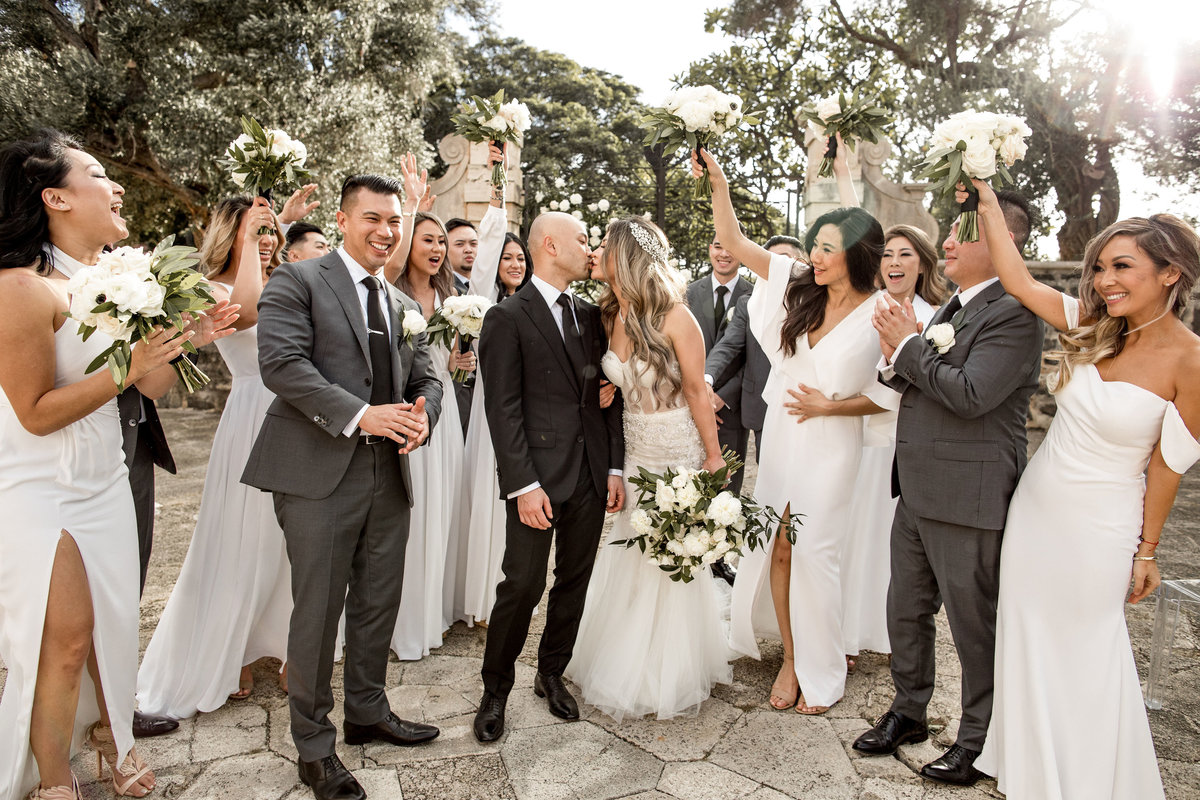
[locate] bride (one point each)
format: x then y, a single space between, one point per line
647 644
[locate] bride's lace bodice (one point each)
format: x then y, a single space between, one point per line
658 433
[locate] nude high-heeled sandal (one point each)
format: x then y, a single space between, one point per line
124 777
57 792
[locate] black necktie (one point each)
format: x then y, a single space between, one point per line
952 308
719 310
571 335
377 344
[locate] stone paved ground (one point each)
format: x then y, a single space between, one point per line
738 747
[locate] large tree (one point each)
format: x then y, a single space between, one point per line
931 58
155 89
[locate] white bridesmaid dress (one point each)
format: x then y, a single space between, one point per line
866 562
483 545
813 467
1068 720
232 602
437 515
72 480
648 645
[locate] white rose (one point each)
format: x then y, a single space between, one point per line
594 231
979 159
709 557
539 197
577 214
564 204
828 107
688 496
543 210
497 123
666 561
281 144
681 478
941 336
591 207
664 497
241 142
414 322
125 260
641 523
725 509
1012 149
694 545
576 199
554 205
675 547
603 205
594 242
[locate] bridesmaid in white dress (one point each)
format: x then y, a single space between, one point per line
232 601
648 644
908 271
437 466
815 326
501 268
68 543
1068 720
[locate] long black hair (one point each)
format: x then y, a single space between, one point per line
804 300
501 289
27 167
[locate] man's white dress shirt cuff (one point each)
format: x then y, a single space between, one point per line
886 370
353 426
526 490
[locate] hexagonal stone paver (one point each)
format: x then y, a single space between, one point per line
565 762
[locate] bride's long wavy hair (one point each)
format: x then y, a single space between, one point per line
1167 241
651 288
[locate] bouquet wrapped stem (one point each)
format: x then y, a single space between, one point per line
855 118
490 119
263 158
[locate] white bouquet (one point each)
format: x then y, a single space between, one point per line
461 316
853 117
128 292
685 520
696 116
490 119
262 159
974 144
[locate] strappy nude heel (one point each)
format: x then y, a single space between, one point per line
124 777
57 792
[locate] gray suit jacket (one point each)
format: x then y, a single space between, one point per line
313 354
960 435
738 347
700 301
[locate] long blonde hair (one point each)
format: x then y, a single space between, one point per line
220 239
651 289
1167 241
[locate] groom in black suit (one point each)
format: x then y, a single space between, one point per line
559 455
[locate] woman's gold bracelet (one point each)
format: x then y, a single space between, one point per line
1145 558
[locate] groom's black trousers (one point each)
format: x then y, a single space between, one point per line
576 535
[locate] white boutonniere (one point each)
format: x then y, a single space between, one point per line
729 315
941 336
414 324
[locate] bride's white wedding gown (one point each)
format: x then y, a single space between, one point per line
1068 721
648 644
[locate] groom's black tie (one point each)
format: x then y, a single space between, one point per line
377 344
952 308
571 335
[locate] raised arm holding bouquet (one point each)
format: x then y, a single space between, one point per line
492 120
974 144
845 120
264 159
695 116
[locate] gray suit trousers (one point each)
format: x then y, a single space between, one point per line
355 539
935 562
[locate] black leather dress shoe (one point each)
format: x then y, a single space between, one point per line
723 571
489 719
562 705
891 731
956 766
330 780
390 729
145 725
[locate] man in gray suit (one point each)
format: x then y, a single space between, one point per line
354 395
739 350
712 300
960 447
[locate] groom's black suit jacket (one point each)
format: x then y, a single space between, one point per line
544 414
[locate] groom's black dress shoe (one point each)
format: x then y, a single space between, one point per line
562 705
723 571
956 766
891 731
330 780
145 725
489 719
390 729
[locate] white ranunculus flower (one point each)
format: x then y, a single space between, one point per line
688 496
603 204
414 322
941 336
576 199
828 107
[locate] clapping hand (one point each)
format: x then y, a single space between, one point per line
416 185
894 323
407 424
213 324
297 206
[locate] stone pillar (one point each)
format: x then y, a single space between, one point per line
888 202
465 190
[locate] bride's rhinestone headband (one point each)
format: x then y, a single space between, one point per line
648 241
